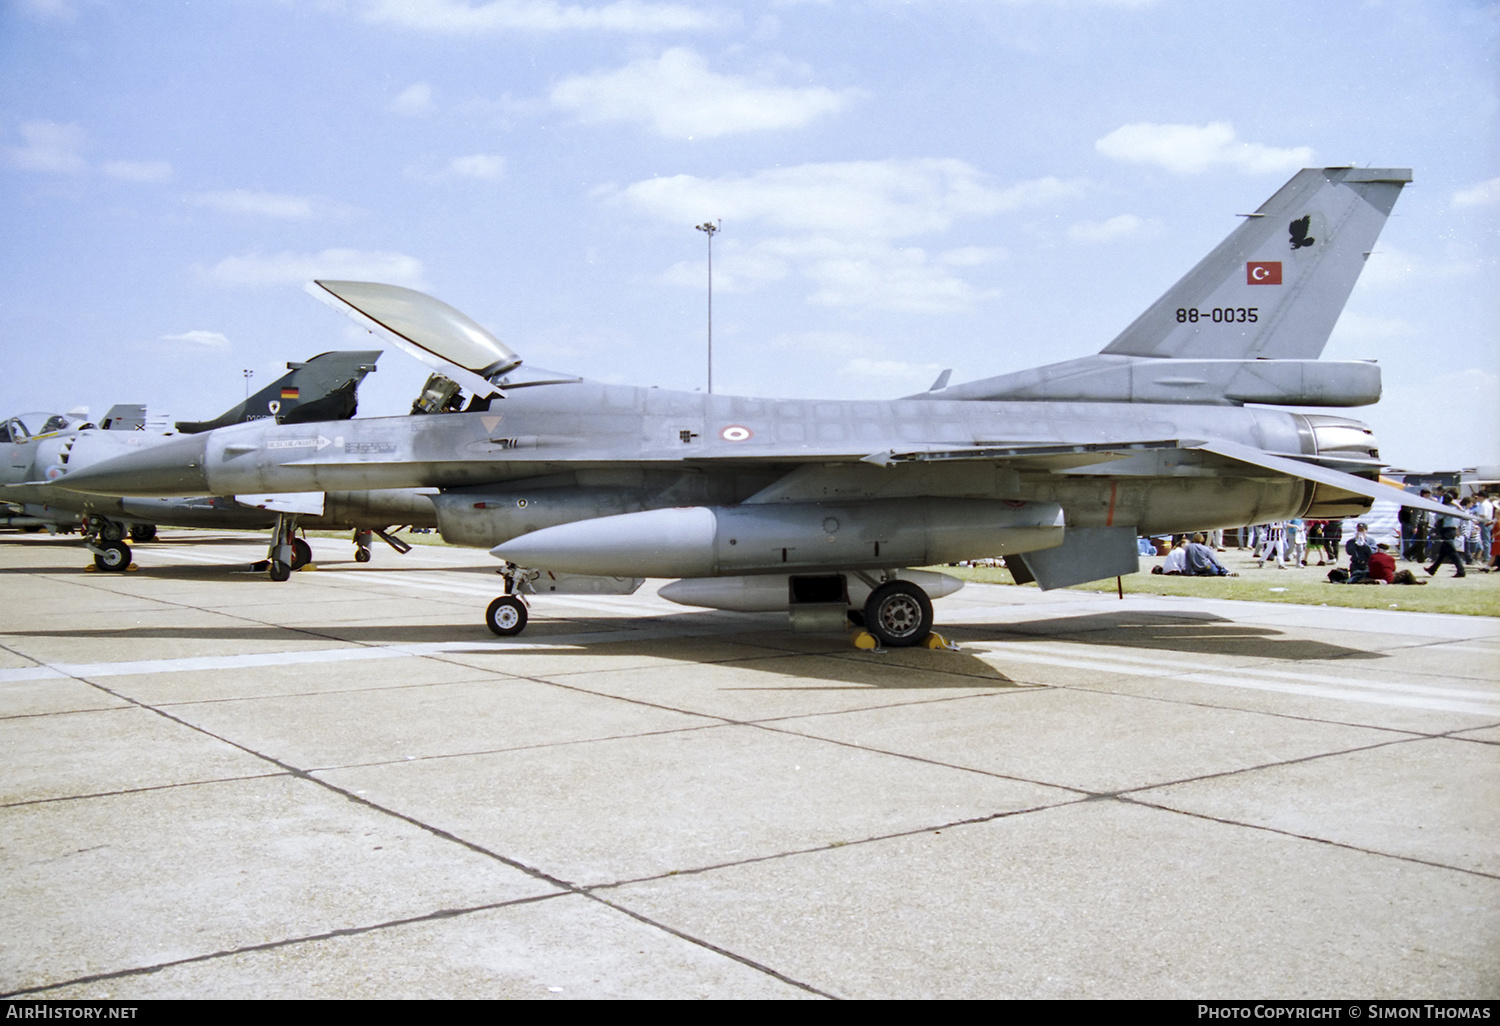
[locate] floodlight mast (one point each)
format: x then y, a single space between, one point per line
708 228
248 375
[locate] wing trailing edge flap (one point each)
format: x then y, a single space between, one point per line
1047 456
1325 475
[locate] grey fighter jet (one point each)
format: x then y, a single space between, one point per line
819 507
39 449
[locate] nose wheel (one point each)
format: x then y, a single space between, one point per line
506 616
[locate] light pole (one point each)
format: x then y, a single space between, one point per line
248 375
708 228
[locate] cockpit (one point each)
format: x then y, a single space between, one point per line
26 426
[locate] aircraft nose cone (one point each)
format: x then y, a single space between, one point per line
174 468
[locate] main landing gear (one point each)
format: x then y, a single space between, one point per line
898 614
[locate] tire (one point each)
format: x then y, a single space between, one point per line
142 532
899 614
113 556
361 555
112 532
279 571
506 616
301 553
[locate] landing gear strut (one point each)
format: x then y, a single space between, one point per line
506 616
287 552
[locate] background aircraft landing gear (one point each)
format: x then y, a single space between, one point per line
506 616
362 546
142 532
899 614
112 555
103 538
287 552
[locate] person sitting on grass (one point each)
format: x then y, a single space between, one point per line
1382 566
1199 560
1176 561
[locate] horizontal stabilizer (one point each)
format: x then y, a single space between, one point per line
1328 476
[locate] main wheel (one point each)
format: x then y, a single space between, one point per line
506 616
361 555
279 570
112 532
142 532
899 614
301 553
113 556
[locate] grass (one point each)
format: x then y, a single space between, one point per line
1477 594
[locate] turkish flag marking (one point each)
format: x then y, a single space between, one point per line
1263 272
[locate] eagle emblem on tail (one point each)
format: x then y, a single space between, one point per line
1298 229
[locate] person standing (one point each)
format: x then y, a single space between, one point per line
1446 530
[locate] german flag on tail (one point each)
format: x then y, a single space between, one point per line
288 392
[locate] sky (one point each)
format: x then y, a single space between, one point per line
901 187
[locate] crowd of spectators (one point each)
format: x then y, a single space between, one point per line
1422 536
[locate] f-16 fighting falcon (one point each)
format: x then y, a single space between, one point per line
41 448
819 507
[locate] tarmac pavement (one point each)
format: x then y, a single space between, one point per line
344 786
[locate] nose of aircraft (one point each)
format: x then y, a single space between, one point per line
174 468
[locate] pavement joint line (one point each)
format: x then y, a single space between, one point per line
1315 840
347 931
142 790
835 845
535 873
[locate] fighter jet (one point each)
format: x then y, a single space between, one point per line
820 507
42 448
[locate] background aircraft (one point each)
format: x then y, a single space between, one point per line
39 448
817 507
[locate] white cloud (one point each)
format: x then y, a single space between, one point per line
194 341
60 9
1485 194
50 147
459 16
915 375
484 166
413 100
1191 149
1389 265
279 205
679 97
1117 227
881 199
287 268
837 225
138 170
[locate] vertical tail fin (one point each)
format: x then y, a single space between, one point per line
323 388
1275 287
